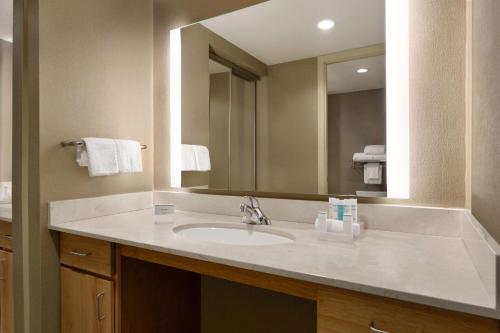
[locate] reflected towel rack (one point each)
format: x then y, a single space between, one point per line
361 164
80 142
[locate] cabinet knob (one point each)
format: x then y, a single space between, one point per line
375 330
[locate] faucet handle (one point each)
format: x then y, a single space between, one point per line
251 201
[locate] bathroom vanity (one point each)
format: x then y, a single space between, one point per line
6 276
127 270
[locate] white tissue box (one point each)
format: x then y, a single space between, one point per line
164 213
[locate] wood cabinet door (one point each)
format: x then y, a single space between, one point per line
86 303
6 293
342 311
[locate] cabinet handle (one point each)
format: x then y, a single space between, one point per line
79 253
7 237
98 306
374 330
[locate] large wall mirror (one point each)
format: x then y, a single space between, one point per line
292 96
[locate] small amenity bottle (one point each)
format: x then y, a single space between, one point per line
348 224
321 221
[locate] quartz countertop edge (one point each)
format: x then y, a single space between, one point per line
87 228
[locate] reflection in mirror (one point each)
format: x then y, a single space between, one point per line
356 127
6 56
287 96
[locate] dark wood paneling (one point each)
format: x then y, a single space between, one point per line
158 299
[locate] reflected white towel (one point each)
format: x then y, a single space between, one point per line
362 157
375 150
101 157
195 158
202 158
373 173
188 158
129 155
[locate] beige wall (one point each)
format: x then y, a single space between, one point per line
95 67
287 130
486 114
355 120
246 309
5 110
437 102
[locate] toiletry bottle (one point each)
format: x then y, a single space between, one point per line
332 210
339 204
354 210
321 221
348 224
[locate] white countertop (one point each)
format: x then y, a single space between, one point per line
5 212
432 270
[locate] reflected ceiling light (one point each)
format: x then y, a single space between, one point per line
362 70
326 24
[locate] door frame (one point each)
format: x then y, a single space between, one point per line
323 62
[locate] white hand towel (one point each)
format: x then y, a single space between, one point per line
129 155
375 150
202 158
102 158
373 173
362 157
82 158
188 158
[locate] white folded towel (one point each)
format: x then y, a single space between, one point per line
202 158
362 157
99 155
195 158
373 173
375 150
188 162
129 155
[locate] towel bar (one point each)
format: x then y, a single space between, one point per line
80 142
358 164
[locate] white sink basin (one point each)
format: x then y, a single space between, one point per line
232 234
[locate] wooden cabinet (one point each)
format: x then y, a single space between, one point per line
6 293
91 255
6 235
89 281
86 303
342 311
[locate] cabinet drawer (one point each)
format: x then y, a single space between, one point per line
342 311
6 235
88 254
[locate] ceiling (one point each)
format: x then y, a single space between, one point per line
343 78
6 18
280 31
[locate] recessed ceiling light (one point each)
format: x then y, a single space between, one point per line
326 24
362 70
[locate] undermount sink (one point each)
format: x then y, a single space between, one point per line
232 234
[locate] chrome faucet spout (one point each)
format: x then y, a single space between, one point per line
252 212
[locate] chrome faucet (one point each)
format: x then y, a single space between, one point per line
253 214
